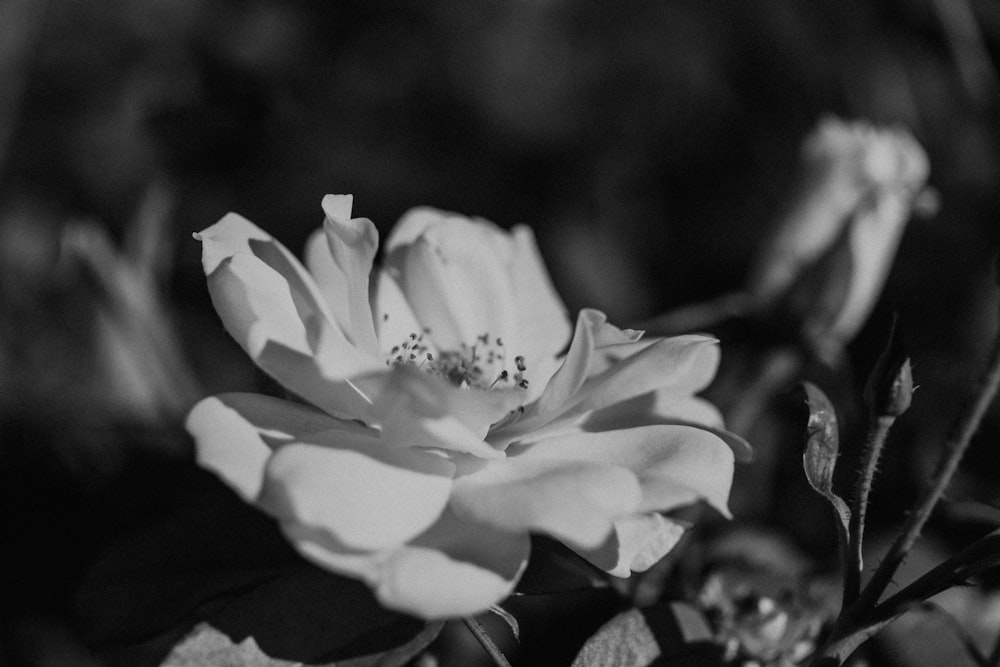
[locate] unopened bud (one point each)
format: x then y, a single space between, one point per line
828 259
889 390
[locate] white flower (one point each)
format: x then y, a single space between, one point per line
445 422
830 256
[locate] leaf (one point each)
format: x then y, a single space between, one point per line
509 619
206 645
822 449
208 557
670 634
555 568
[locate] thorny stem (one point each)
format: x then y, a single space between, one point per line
877 432
480 634
858 621
965 427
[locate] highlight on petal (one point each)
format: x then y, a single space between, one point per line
542 325
456 284
574 501
606 366
394 319
412 400
637 543
413 223
676 465
235 434
235 235
455 568
664 406
272 308
363 494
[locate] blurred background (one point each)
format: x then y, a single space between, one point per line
652 146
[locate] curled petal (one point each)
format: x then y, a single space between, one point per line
666 407
364 494
574 501
454 569
606 366
637 543
352 243
235 434
660 406
234 235
676 465
271 307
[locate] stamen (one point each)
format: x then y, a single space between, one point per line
519 362
499 378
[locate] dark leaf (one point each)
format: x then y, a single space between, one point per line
554 568
211 558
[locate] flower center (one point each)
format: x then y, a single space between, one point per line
471 366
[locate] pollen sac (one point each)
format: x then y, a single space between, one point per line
479 365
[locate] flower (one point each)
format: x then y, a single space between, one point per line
443 423
829 257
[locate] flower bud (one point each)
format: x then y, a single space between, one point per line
829 257
890 386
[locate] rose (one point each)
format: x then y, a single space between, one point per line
828 259
443 423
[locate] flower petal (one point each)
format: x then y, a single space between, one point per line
574 501
394 319
637 543
666 407
269 304
676 465
352 243
542 328
235 434
454 569
421 409
413 223
364 494
235 235
456 284
605 366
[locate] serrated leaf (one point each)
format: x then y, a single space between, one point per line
672 634
206 645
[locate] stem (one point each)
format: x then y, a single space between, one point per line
877 432
982 554
954 448
480 634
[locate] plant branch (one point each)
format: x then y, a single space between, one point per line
877 432
954 448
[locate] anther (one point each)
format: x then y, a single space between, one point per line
519 362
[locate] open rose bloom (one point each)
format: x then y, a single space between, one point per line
449 409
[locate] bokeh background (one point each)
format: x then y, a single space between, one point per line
651 145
